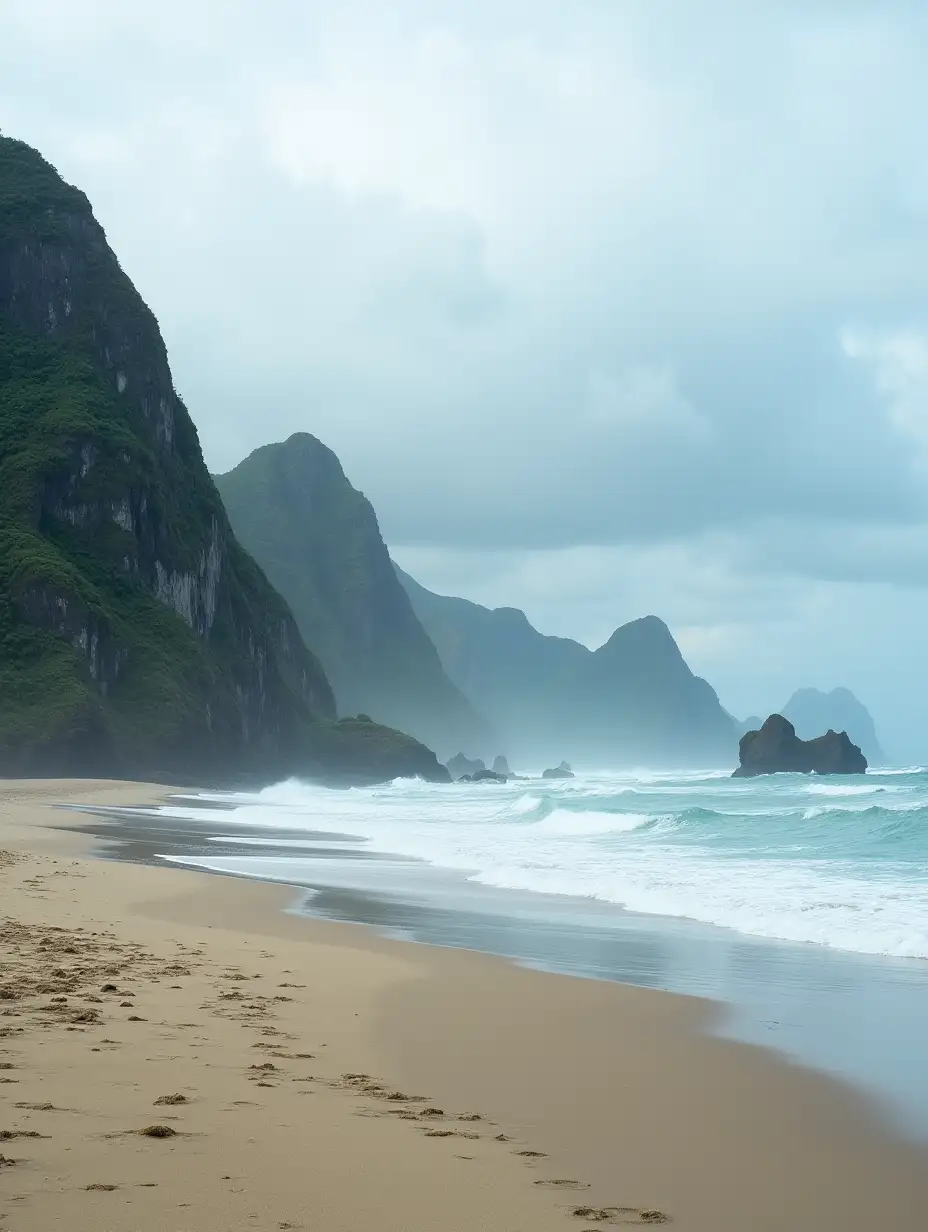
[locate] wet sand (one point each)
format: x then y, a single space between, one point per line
332 1079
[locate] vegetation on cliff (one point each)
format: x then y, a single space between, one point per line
136 635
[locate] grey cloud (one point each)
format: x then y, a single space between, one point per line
608 308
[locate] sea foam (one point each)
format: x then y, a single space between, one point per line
849 872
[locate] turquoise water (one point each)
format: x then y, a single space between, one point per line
801 904
841 863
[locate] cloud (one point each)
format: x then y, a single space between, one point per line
899 361
619 306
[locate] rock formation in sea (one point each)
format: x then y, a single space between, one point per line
776 749
488 776
459 766
811 711
137 637
317 539
563 771
501 766
634 701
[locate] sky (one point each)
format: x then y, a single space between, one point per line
610 306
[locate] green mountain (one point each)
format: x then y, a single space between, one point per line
634 701
317 539
136 634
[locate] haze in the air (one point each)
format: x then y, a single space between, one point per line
610 309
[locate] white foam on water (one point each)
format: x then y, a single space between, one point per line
568 823
705 848
846 789
526 804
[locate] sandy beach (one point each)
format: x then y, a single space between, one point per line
178 1053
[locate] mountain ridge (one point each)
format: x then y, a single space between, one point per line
318 539
552 697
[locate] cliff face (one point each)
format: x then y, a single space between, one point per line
136 635
318 541
634 701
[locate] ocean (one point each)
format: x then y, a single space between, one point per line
799 903
840 863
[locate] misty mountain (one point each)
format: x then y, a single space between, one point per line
634 701
136 634
813 712
317 539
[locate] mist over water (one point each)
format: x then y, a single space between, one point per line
839 863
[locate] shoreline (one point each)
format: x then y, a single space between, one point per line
860 1019
619 1088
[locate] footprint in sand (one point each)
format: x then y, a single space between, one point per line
633 1215
449 1133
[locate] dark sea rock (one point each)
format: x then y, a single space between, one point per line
459 765
501 766
489 776
776 749
563 771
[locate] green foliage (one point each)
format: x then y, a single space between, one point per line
33 196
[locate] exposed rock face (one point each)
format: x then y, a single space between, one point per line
459 766
776 749
136 635
501 766
488 776
634 701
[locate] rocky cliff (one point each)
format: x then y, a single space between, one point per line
634 701
317 539
136 635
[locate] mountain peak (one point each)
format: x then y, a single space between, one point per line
648 631
634 701
318 540
813 711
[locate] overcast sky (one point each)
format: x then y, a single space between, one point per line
610 306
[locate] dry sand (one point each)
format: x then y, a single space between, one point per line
313 1076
